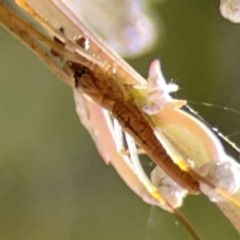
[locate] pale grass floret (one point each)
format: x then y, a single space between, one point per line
230 9
187 138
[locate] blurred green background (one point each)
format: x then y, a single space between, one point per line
54 185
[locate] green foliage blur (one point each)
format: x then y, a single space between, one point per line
54 185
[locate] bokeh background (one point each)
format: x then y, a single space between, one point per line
54 185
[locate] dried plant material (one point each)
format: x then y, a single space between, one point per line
188 152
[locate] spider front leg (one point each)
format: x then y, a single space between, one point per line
164 188
168 195
99 124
